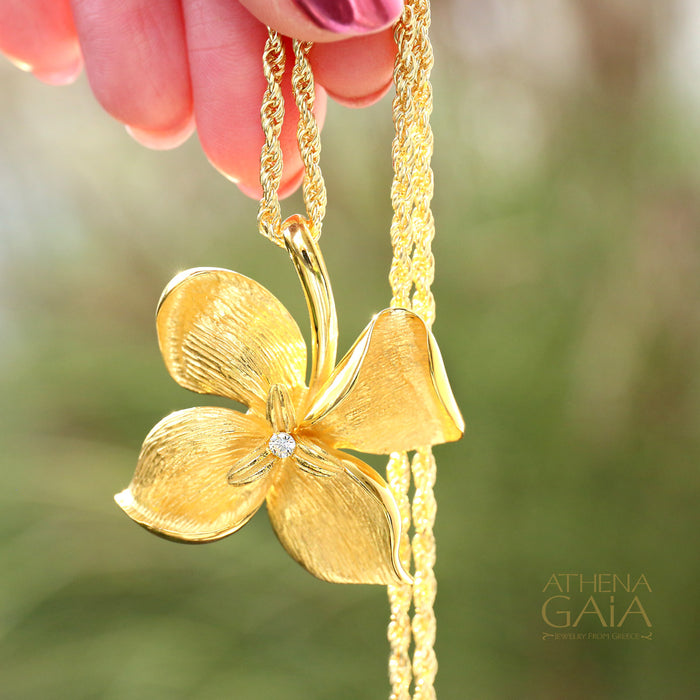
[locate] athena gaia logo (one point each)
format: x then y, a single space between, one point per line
584 605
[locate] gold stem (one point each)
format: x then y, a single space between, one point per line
313 275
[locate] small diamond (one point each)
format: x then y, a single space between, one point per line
282 445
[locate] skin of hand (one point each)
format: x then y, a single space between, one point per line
164 67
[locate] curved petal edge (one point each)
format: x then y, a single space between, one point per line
390 393
222 333
344 527
180 488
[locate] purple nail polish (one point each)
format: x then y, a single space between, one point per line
352 16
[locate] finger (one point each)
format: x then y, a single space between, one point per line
325 20
163 139
39 35
358 71
225 45
136 62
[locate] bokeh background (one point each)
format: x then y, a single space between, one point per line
567 137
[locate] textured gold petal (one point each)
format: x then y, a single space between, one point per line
222 333
343 527
180 488
390 393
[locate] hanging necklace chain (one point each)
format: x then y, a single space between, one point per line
411 276
271 116
308 138
413 268
412 228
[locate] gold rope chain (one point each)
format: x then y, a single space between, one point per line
308 138
411 276
413 266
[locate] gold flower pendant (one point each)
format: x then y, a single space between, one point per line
203 472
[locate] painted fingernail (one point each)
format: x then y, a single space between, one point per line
63 76
352 16
162 140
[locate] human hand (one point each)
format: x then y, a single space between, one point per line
162 66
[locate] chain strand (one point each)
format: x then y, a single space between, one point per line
423 303
400 279
423 263
314 188
399 632
271 117
424 585
412 232
308 138
402 157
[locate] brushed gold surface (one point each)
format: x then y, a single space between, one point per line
223 333
180 489
203 472
390 393
340 527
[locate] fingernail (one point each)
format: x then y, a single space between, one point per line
64 76
162 140
352 16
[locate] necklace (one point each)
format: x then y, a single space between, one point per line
204 472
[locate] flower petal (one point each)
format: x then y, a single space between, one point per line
342 527
390 393
222 333
180 488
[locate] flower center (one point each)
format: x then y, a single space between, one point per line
282 445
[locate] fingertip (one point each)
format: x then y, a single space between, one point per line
19 63
254 190
363 100
60 76
39 36
136 63
164 139
356 72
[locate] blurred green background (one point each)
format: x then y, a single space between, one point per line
567 140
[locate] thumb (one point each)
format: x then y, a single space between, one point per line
325 20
